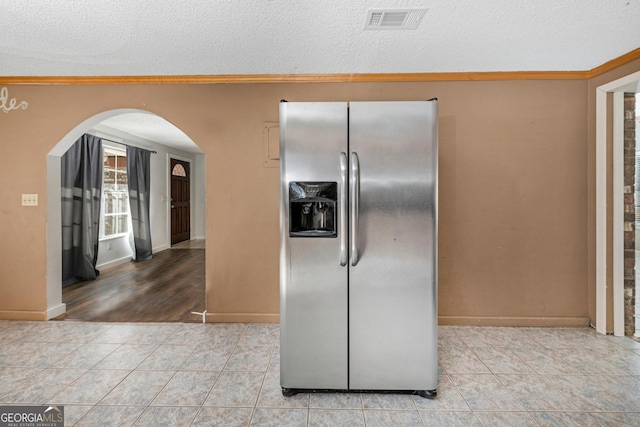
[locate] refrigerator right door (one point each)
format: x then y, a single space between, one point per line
393 332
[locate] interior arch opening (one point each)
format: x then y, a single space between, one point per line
171 285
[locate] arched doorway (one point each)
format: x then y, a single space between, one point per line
119 128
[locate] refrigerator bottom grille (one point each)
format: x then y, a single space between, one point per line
427 394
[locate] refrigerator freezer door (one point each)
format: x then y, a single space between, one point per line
393 286
313 283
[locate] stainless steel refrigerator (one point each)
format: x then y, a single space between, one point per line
358 258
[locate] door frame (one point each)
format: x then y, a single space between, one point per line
168 196
630 83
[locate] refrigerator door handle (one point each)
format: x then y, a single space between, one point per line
343 209
355 205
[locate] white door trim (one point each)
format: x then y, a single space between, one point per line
617 87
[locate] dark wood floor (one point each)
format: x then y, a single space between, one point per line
166 288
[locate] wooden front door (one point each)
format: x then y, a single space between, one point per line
180 201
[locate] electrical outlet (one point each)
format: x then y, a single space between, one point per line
29 200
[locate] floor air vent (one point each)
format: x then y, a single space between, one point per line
406 19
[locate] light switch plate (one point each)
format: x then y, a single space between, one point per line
29 200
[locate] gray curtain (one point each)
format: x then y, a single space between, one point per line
138 161
81 170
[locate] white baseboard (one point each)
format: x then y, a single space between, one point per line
56 311
161 248
114 263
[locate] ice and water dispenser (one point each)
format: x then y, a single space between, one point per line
312 209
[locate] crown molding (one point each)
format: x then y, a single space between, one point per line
324 78
614 63
292 78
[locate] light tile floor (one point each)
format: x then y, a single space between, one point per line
228 375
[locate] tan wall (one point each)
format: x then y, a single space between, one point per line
513 191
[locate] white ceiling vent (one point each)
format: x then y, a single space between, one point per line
395 19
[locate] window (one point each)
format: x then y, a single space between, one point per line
115 193
178 170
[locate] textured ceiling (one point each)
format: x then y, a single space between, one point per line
169 37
